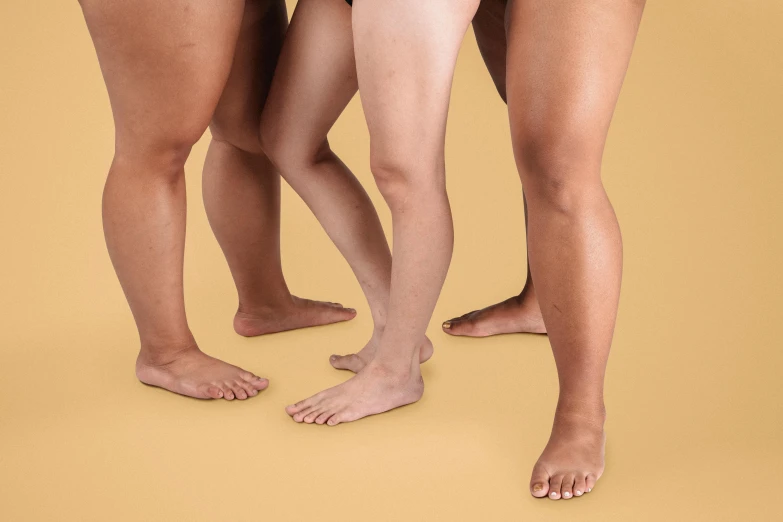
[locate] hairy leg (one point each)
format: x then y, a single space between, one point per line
164 65
314 81
405 56
567 61
242 188
520 313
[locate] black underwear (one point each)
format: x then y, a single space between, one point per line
350 2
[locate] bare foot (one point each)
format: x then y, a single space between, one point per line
373 390
354 362
302 313
518 314
573 459
193 373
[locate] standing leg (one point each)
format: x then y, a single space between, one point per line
567 61
242 188
520 313
165 65
406 51
314 81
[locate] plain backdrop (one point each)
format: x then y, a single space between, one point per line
694 167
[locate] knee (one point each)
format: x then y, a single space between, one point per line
288 152
240 133
401 176
560 169
160 155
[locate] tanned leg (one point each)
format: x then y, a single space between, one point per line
406 51
242 188
165 64
314 81
520 313
566 64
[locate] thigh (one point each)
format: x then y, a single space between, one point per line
164 63
406 51
260 40
566 64
315 78
489 26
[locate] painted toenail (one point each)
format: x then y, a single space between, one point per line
577 492
566 494
538 487
553 494
447 325
589 490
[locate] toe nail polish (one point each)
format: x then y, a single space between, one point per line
447 325
589 490
553 494
577 492
566 494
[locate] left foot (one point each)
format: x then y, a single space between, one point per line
518 314
373 390
301 313
573 459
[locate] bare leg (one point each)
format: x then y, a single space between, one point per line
314 81
520 313
406 51
242 188
165 65
567 61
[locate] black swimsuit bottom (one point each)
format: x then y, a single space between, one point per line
350 2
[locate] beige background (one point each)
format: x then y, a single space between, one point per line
694 166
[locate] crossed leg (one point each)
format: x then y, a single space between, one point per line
314 81
565 66
405 56
242 187
165 65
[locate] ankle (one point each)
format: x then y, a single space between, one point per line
581 409
269 306
163 352
528 297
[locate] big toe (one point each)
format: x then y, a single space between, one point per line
539 483
213 392
350 362
464 325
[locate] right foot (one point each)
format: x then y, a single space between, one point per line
301 313
195 374
374 390
518 314
354 362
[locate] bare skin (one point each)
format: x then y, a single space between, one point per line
560 67
520 313
166 67
314 81
242 187
405 91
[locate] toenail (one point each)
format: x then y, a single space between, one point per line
577 492
553 494
566 494
447 325
538 487
353 311
589 490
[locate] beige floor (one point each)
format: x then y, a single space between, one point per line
694 167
